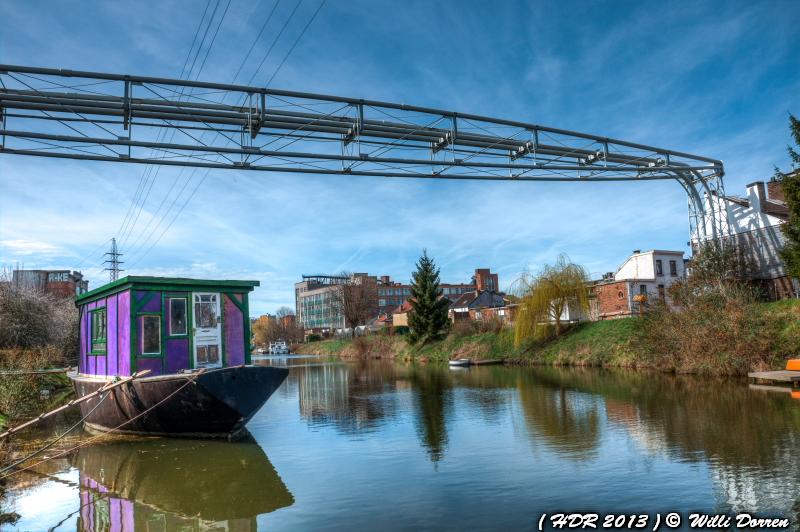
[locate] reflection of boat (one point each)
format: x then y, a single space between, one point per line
177 485
460 362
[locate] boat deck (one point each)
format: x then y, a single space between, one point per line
777 376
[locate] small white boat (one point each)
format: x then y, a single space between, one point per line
460 362
278 348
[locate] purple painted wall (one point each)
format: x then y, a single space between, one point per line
176 351
177 354
234 333
124 332
153 305
153 364
116 361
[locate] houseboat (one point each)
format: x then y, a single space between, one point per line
190 336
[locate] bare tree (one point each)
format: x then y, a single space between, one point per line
283 312
356 300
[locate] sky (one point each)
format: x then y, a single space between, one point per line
713 78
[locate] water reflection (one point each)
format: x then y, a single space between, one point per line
433 403
565 420
176 485
353 397
523 440
748 438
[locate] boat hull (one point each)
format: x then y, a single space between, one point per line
211 404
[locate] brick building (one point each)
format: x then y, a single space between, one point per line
392 294
57 283
643 278
315 303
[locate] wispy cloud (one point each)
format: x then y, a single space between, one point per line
649 72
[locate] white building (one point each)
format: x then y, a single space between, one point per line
648 274
754 222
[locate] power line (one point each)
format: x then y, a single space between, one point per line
295 42
191 176
263 60
189 73
274 41
128 215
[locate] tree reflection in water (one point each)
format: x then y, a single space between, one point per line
566 420
433 403
748 438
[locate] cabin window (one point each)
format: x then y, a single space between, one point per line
151 335
205 311
659 268
99 327
673 268
177 316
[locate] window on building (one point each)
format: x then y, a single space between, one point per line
643 289
381 302
99 325
661 292
621 294
177 316
673 268
659 268
151 335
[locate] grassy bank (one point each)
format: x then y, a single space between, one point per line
612 343
28 395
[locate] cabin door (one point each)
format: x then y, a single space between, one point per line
207 330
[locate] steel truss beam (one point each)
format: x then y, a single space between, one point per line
136 119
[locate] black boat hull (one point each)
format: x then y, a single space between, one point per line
212 404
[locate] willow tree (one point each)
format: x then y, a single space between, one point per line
547 296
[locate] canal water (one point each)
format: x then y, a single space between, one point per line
377 446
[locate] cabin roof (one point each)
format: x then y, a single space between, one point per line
164 283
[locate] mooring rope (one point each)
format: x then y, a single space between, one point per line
57 439
105 434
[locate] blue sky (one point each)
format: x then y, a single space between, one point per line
712 78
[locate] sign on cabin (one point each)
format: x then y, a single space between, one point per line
164 324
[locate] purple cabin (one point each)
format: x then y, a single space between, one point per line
163 324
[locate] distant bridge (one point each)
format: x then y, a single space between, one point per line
136 119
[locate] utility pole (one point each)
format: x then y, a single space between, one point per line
113 261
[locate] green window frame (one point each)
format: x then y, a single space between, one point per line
173 326
150 323
99 330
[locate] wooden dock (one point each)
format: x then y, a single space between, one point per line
792 377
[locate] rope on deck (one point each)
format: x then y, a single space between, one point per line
105 434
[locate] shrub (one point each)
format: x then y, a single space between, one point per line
31 319
313 338
718 326
19 395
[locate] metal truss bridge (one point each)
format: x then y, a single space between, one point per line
148 120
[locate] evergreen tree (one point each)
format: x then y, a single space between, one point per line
427 319
790 182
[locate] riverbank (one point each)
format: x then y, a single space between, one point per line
27 395
611 343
